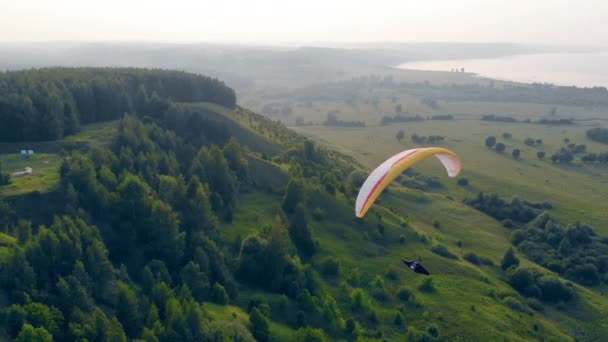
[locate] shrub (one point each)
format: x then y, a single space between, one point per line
427 285
508 223
392 274
398 318
219 295
404 294
330 267
433 331
443 251
509 260
463 182
486 261
472 258
513 303
359 300
490 141
318 214
535 304
378 289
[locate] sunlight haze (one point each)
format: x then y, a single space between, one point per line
271 21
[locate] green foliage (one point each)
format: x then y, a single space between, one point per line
443 251
400 135
509 260
30 334
5 178
564 156
427 285
490 141
405 294
218 294
574 251
472 258
309 334
46 104
300 233
514 304
378 289
357 178
518 210
532 283
516 153
330 267
463 181
398 319
359 300
415 335
259 325
598 134
294 194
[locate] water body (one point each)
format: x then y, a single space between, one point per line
567 69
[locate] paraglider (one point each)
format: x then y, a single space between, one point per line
416 267
390 169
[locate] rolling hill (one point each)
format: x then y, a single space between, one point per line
199 221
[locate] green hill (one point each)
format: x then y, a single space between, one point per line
193 221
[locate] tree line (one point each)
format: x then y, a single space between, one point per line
598 134
516 211
47 104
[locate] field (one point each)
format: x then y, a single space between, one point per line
576 191
465 295
45 176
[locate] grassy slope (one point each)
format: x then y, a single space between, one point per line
458 284
46 165
575 191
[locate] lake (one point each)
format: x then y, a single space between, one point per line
578 69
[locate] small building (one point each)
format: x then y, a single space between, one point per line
28 171
23 152
30 151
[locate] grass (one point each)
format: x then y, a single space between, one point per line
458 284
279 332
45 177
576 191
6 241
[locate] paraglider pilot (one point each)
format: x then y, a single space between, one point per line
416 267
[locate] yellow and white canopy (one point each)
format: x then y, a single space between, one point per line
384 174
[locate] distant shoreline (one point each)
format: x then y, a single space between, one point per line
585 70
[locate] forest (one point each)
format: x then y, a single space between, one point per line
47 104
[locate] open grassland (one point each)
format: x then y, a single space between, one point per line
44 178
576 191
279 332
46 165
467 301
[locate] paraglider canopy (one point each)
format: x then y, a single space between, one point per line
390 169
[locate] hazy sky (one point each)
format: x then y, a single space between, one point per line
280 21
